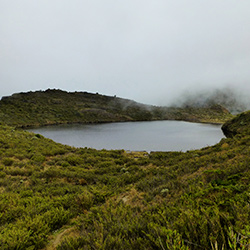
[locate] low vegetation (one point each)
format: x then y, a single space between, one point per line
58 107
237 126
53 196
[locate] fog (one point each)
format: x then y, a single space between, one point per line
235 100
148 51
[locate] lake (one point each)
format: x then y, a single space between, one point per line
136 136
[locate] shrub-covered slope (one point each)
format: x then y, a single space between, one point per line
240 125
54 196
58 107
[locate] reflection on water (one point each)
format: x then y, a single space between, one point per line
136 136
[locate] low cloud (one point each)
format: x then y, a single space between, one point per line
148 51
230 97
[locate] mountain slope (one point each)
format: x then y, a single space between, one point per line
240 125
59 107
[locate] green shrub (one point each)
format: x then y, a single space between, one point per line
25 234
38 158
56 218
7 161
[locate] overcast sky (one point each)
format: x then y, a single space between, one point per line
147 50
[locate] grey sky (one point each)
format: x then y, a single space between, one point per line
147 50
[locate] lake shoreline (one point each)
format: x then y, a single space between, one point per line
31 126
168 135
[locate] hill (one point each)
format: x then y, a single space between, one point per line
240 125
54 196
58 107
230 98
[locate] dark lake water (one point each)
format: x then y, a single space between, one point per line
136 136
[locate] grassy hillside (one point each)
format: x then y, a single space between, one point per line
240 125
54 196
58 107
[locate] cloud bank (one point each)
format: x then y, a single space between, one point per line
149 51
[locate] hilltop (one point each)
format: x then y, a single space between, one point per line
50 107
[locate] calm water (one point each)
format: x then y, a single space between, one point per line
136 136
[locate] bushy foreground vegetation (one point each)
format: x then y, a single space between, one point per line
54 196
60 107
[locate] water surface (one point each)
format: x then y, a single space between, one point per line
136 136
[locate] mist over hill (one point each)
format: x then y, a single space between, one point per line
234 100
54 106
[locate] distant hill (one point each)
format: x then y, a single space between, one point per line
59 107
231 99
